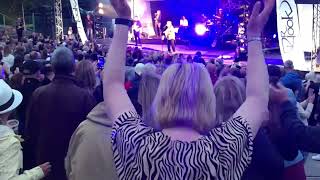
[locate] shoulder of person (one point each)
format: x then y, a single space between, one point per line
8 138
5 131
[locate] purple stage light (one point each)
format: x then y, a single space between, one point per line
200 29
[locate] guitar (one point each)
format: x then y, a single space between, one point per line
136 27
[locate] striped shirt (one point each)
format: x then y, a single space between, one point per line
141 152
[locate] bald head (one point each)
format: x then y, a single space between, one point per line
63 61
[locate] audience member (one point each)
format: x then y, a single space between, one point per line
291 79
30 82
55 112
148 88
185 109
11 150
86 76
8 58
267 162
89 156
48 74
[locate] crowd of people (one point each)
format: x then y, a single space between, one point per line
86 111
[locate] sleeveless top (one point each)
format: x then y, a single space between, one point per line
140 152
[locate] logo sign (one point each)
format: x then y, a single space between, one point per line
289 33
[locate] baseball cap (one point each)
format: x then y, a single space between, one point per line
31 67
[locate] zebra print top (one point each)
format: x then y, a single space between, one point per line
142 153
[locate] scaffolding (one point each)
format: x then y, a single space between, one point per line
316 26
58 19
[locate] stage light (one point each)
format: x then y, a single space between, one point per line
274 36
100 5
101 11
200 29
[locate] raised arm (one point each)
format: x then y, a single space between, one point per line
254 109
115 95
305 137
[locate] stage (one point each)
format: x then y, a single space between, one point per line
272 55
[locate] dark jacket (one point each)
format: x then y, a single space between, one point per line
55 112
305 137
267 162
28 87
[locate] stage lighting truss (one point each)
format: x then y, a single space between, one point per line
58 19
235 5
316 27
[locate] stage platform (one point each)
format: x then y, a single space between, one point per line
272 57
272 54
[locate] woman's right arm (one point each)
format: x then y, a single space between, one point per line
254 109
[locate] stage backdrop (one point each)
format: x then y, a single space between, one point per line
295 23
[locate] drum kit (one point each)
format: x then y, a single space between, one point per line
228 28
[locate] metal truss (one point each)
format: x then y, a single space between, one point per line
58 19
234 5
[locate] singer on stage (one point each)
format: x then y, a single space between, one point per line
170 34
136 28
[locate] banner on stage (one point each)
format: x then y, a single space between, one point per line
78 20
289 33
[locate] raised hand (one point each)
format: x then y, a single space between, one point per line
279 94
258 18
311 96
122 8
46 168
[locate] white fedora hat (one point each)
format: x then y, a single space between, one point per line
9 98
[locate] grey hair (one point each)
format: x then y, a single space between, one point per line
147 91
231 94
63 61
185 98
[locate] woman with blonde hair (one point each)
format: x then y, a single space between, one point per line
86 75
266 163
189 145
230 93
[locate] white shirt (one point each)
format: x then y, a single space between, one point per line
304 110
184 22
11 158
170 33
8 60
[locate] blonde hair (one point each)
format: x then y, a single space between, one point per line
185 98
231 94
86 75
148 87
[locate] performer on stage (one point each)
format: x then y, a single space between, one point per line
19 29
184 24
219 19
89 24
136 28
170 34
157 23
70 34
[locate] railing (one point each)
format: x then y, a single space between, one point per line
6 22
6 19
